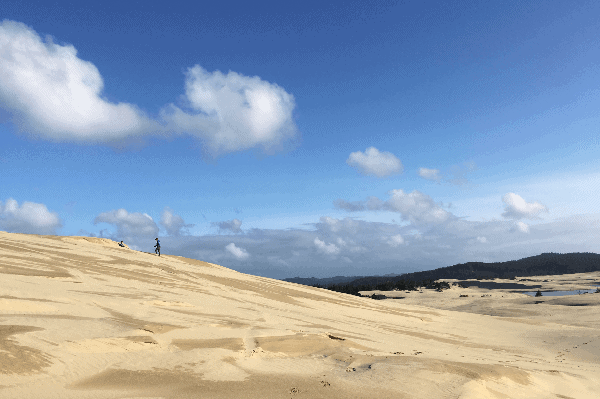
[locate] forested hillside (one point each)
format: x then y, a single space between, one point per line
544 264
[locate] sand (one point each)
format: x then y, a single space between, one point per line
84 318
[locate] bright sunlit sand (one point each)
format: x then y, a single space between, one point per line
84 318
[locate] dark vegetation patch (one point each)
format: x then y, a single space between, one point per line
400 285
539 265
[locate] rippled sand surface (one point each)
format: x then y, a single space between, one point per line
84 318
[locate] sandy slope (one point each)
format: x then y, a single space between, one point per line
84 318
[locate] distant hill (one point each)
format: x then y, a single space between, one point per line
538 265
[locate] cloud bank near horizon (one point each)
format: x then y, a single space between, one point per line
339 246
52 94
354 247
28 218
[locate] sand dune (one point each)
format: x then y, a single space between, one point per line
84 318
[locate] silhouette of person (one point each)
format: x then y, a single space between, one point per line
157 246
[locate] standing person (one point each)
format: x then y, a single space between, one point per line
157 246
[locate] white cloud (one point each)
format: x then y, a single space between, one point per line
230 225
328 249
233 112
482 240
522 227
416 207
173 223
53 94
129 225
429 174
373 162
517 208
395 241
239 253
29 217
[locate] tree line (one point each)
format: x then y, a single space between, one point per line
399 285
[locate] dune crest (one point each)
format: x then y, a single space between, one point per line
81 317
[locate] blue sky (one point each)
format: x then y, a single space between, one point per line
305 139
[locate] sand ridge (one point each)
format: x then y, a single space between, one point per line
82 317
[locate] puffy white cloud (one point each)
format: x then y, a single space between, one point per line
52 93
517 208
229 225
429 174
239 253
328 249
395 241
233 112
482 240
522 227
376 163
416 207
129 225
29 217
173 223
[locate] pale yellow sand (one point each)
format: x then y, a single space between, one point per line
84 318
